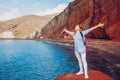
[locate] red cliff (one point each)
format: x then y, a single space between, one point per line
93 75
89 13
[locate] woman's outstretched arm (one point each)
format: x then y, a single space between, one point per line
70 33
99 25
89 30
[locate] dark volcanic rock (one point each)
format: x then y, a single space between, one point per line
89 13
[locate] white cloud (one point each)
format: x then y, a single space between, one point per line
49 11
13 13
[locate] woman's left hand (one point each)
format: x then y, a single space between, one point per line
100 25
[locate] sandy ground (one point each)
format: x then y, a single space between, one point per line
105 45
112 47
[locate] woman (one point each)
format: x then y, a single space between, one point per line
80 47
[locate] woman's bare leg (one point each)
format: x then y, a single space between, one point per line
85 65
77 54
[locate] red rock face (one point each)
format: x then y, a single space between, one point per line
89 13
93 75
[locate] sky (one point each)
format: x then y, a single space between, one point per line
10 9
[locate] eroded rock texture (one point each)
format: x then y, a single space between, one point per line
88 13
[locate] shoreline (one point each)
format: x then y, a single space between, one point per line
100 44
60 40
109 47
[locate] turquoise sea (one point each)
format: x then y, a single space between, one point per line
34 60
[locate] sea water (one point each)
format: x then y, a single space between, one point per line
34 60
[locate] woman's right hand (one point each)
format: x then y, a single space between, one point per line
63 30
